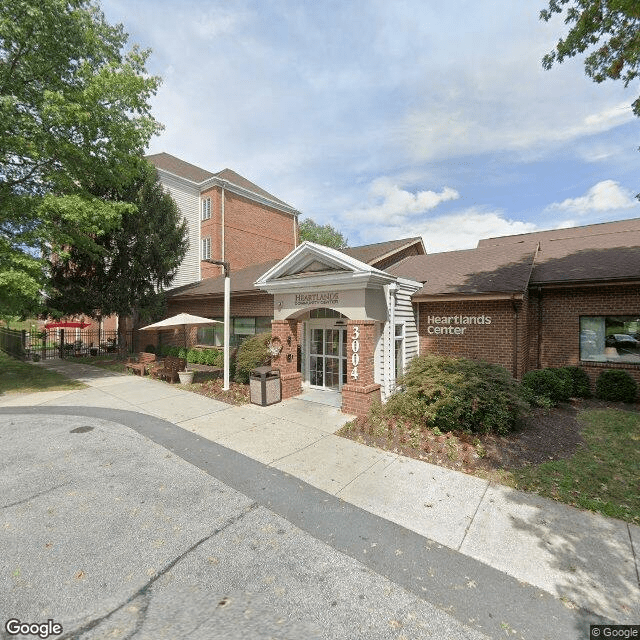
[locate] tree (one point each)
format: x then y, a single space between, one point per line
610 29
74 119
135 261
321 234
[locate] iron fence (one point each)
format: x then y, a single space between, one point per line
64 343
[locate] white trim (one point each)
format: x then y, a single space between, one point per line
215 181
343 270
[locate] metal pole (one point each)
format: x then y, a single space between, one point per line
227 318
227 327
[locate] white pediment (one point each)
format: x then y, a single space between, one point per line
312 263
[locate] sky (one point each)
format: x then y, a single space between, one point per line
392 119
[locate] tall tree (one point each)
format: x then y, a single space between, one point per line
321 234
135 261
74 119
608 31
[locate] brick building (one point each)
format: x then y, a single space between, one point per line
349 321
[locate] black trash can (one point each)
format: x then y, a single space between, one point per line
264 386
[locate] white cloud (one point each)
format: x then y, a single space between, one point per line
450 232
605 196
389 204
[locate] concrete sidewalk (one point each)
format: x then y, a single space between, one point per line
584 559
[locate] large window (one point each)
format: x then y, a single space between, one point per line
206 249
241 328
399 349
610 338
206 208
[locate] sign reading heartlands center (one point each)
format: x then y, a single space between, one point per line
454 325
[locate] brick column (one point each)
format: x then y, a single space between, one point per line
287 361
360 392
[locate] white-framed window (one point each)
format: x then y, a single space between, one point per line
398 340
206 249
206 208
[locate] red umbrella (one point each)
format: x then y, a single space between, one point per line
67 325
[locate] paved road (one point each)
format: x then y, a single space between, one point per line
119 525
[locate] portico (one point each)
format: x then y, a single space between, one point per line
337 323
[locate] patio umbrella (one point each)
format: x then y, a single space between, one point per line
181 320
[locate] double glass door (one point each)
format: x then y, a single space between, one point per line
328 358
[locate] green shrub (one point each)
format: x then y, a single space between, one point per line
456 393
581 385
182 352
252 353
192 355
150 348
174 352
214 357
616 385
554 384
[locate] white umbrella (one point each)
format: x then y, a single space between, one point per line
181 320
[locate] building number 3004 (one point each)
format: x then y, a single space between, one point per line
355 348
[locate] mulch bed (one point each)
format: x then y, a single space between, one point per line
550 434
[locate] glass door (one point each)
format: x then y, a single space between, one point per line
327 358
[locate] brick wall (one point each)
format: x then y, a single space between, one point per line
557 312
503 341
358 394
254 233
259 304
287 361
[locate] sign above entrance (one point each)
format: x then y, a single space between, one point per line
324 299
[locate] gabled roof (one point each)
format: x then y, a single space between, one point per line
586 231
203 178
484 271
311 263
373 253
594 258
177 167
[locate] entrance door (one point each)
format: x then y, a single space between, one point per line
328 358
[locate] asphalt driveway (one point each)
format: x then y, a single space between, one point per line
114 536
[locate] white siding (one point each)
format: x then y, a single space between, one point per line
187 198
404 313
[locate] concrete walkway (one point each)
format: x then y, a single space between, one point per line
584 559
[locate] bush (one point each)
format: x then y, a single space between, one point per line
182 352
252 353
213 357
456 393
616 385
581 385
150 348
553 384
174 352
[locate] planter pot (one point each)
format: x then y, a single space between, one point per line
186 377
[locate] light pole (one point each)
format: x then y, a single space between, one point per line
227 317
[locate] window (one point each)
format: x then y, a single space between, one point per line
610 338
206 249
206 208
213 335
241 328
399 349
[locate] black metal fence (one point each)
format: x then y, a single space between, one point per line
63 343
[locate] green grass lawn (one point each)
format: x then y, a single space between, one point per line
603 475
24 377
